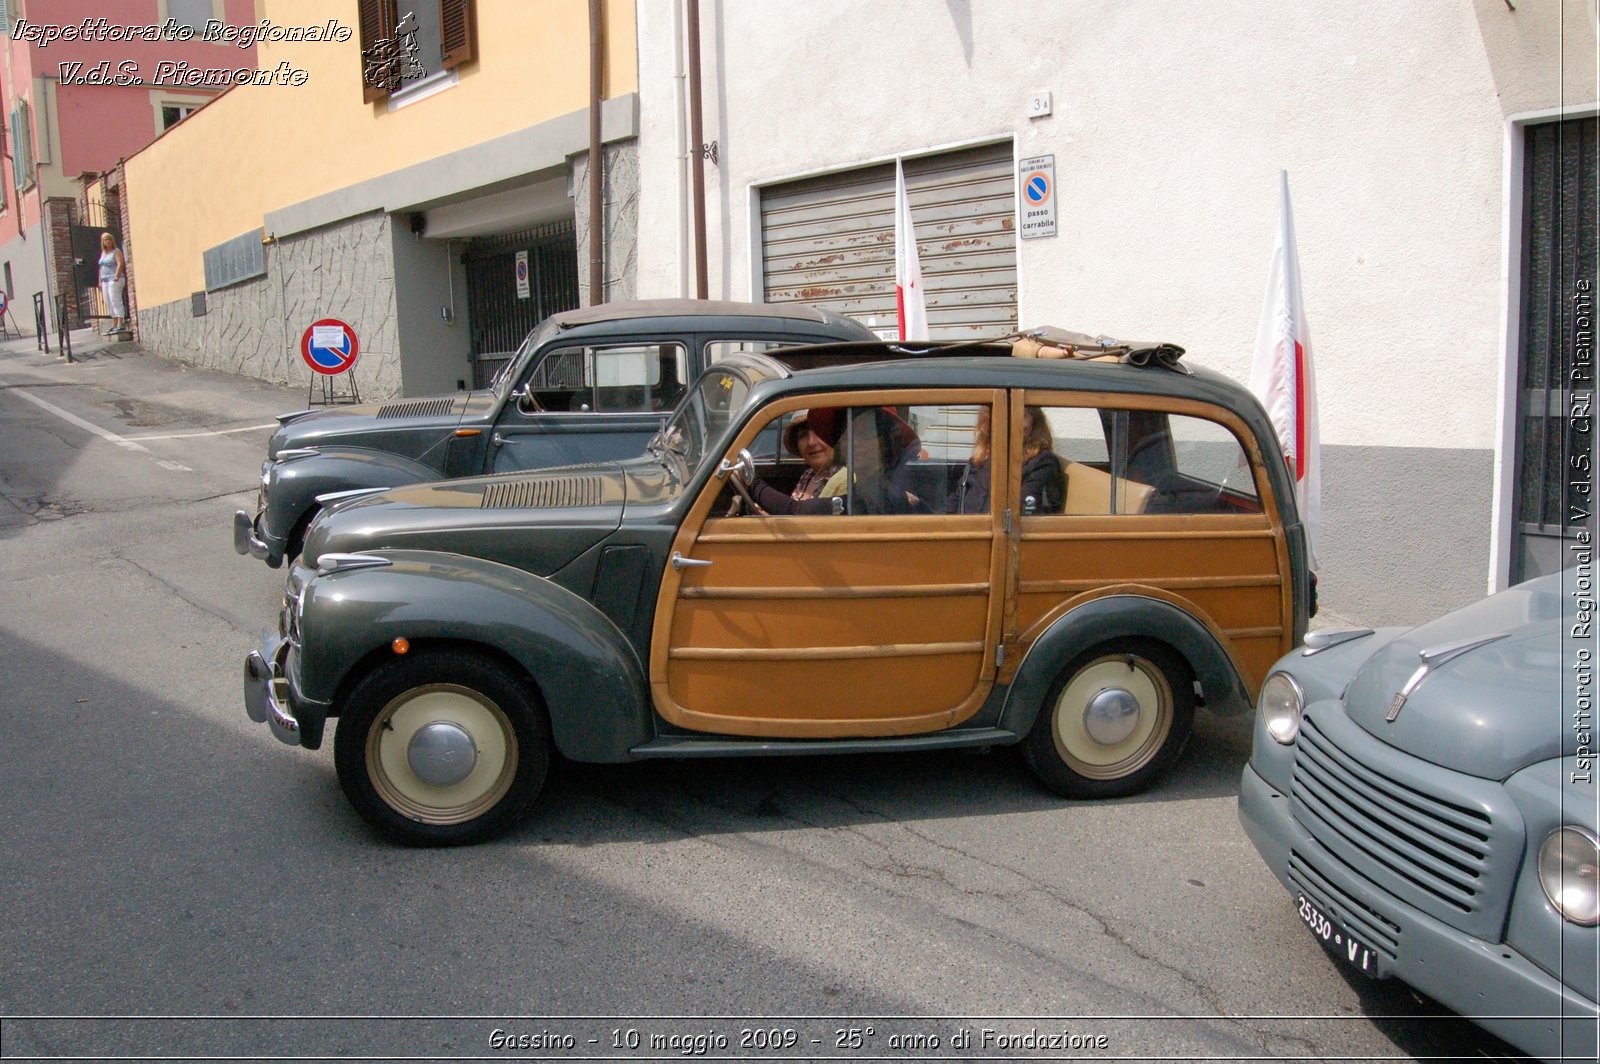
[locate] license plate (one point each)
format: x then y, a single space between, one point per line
1338 941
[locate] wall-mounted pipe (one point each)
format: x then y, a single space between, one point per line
597 220
697 159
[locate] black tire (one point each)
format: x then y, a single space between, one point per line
509 751
1153 680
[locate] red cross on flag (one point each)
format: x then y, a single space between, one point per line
909 301
1281 373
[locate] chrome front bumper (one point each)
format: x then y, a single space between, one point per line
246 540
266 691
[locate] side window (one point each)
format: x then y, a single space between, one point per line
622 379
1144 462
1212 471
893 459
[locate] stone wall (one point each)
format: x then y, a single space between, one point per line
343 271
620 203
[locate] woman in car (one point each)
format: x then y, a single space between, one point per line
1044 484
802 439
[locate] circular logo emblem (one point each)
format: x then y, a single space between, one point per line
329 346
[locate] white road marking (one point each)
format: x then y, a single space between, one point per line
104 434
215 432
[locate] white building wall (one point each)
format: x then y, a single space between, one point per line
1170 123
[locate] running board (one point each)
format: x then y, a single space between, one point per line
680 746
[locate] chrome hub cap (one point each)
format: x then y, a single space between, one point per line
1111 716
442 753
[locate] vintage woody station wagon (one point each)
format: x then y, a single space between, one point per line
653 607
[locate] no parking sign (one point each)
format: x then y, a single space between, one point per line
329 346
1037 176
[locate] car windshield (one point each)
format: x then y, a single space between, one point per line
708 409
512 367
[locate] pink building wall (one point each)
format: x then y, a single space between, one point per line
100 124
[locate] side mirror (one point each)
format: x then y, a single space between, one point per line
523 397
744 465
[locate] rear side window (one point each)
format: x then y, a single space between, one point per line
1149 462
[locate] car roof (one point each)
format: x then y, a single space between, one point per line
881 364
635 309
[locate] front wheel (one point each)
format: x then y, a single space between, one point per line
442 749
1116 720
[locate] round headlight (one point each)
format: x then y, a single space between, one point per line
1569 872
1281 704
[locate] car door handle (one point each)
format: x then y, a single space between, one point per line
680 562
499 440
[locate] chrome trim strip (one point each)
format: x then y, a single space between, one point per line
1328 638
1432 657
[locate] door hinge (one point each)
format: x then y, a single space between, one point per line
1000 656
1006 524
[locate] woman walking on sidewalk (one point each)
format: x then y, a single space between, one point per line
113 279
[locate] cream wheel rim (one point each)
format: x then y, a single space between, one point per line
1115 680
398 784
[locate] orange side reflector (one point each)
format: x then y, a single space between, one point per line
400 645
469 432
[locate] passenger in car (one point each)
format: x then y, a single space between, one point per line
818 452
1044 485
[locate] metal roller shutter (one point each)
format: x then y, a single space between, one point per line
829 241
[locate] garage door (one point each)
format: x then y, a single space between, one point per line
829 241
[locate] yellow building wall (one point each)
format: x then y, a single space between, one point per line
262 148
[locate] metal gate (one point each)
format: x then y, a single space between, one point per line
497 316
1555 372
829 241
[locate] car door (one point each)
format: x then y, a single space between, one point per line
588 403
879 620
1167 498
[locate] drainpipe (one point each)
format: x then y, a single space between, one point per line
697 162
680 143
597 221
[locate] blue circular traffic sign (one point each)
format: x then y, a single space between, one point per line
329 346
1036 186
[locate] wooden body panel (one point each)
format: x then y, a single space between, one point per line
830 626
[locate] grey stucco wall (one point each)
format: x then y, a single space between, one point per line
344 271
620 204
1405 532
25 253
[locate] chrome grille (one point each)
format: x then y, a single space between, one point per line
416 408
1441 841
543 492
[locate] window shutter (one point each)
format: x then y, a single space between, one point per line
376 21
457 32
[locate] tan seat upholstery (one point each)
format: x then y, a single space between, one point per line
1089 492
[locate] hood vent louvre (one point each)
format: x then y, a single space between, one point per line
416 408
544 492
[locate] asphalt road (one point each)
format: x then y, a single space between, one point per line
161 856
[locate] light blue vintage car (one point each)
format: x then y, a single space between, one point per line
1428 798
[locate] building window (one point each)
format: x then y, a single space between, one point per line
173 113
21 146
191 13
406 41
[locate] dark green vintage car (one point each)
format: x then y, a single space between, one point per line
585 386
1066 554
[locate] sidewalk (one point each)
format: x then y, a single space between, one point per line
213 398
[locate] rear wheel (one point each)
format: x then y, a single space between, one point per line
442 749
1115 721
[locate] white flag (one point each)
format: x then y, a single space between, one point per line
909 301
1281 374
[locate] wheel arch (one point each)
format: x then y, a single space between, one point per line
583 669
1119 617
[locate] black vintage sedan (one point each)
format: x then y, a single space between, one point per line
586 385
